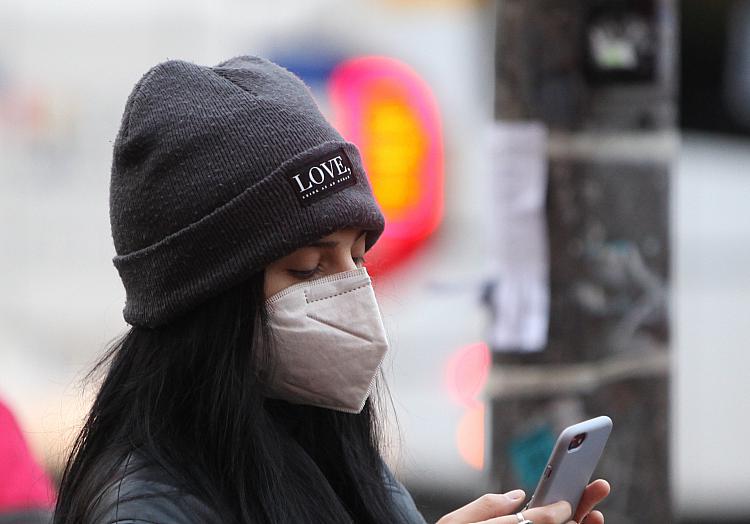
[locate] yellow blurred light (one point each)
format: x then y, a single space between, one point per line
396 148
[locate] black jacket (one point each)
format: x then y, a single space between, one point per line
146 495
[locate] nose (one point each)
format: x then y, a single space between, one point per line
344 262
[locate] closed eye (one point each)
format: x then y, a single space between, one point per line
305 273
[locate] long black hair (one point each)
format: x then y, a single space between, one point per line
189 397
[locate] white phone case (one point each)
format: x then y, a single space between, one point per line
568 472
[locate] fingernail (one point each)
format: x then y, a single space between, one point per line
515 494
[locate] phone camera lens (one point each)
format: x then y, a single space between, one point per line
576 441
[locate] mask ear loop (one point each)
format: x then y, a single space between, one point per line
264 342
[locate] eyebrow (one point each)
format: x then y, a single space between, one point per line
328 244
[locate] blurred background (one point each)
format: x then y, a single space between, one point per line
565 184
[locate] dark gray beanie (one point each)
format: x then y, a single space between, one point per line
218 171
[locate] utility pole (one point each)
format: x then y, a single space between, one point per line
596 80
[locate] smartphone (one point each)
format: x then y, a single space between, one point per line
572 462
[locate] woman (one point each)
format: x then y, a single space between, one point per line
241 393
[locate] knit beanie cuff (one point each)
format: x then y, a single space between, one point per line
266 221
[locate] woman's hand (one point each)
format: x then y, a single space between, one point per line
592 495
495 508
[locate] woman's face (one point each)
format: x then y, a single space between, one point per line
342 250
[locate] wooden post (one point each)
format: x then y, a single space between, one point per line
600 76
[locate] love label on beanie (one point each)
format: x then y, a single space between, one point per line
322 177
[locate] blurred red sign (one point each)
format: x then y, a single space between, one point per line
389 112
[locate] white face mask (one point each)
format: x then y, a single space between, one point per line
329 341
